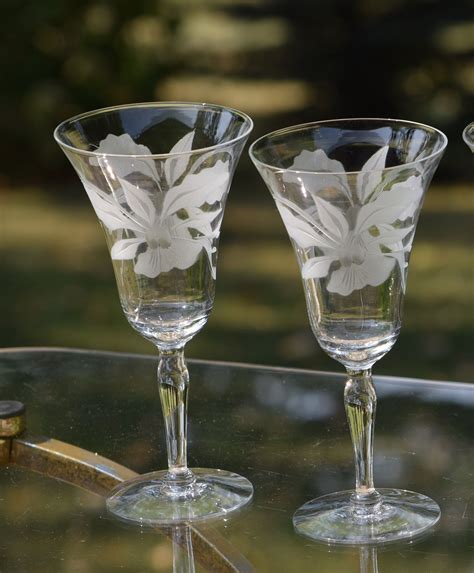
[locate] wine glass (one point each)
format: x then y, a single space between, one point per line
157 175
468 136
349 193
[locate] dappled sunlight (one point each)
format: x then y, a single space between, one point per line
457 38
257 97
207 31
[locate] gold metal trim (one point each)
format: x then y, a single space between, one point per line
99 475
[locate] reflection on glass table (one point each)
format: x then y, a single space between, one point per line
285 429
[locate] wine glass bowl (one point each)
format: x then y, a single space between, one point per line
157 175
349 193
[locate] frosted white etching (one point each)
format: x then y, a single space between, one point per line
360 244
169 225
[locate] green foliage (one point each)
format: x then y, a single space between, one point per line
325 59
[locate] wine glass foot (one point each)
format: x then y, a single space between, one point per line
150 500
334 518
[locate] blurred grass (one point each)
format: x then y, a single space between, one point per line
59 290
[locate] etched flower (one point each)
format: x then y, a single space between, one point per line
164 230
131 157
362 248
314 172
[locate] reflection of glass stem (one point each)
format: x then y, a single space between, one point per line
360 402
173 380
183 555
368 560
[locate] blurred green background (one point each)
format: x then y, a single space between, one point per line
281 61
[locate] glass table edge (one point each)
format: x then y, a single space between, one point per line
239 365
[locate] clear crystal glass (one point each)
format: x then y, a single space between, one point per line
468 136
157 176
349 193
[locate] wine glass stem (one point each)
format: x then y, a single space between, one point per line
173 382
360 402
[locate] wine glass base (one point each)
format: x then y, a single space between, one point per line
400 515
150 500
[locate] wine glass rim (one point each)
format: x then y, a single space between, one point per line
312 124
166 104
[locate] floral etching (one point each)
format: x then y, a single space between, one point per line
360 244
171 215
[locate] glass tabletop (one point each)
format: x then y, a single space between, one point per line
283 429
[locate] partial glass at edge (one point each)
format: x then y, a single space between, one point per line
468 136
158 176
349 193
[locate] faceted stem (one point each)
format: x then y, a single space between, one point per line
360 402
173 381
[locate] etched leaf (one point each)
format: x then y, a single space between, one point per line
332 218
370 175
391 236
125 248
402 199
410 194
201 221
175 166
107 210
207 186
304 235
138 201
317 267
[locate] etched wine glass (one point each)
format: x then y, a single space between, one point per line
349 193
468 136
157 176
